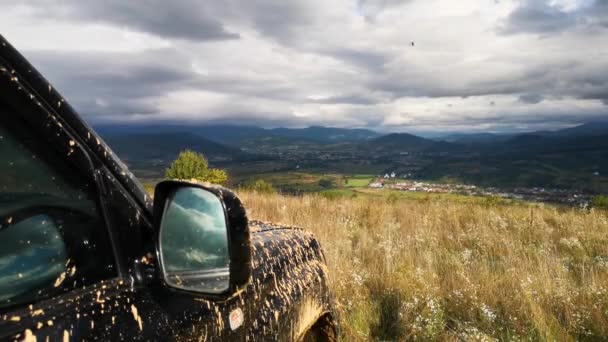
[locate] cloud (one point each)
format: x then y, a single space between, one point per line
539 17
371 8
545 17
365 59
187 19
349 63
530 98
99 84
191 20
354 99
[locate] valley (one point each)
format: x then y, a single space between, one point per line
567 163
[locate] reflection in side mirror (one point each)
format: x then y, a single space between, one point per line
193 242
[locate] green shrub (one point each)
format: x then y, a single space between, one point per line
193 165
326 183
600 201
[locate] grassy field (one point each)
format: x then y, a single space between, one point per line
412 267
356 181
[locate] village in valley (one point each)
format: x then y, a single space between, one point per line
537 194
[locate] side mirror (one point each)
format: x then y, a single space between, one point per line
202 238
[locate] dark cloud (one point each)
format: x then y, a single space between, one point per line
280 20
530 98
507 119
368 60
122 84
597 94
188 19
261 87
531 85
192 20
348 99
542 17
100 84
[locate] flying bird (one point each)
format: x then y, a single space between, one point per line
412 43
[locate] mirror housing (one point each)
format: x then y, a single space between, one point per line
239 243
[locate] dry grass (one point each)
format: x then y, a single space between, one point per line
442 270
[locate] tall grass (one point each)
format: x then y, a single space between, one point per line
444 270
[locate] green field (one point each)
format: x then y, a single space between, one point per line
346 186
358 181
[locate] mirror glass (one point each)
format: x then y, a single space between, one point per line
194 242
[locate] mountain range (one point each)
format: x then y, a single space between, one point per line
164 145
227 141
236 135
587 129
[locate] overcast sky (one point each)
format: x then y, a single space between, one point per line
388 65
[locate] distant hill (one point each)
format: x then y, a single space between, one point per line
474 138
587 129
531 144
229 141
531 160
326 134
240 136
401 140
166 146
406 142
525 140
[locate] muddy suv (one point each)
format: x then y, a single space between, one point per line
86 254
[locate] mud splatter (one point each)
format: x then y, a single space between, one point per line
29 336
137 317
59 279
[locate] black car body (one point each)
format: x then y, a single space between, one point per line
80 255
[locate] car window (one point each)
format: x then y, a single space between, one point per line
33 256
52 237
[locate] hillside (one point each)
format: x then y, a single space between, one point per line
326 134
475 138
587 129
400 141
166 146
404 142
240 136
573 158
439 270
